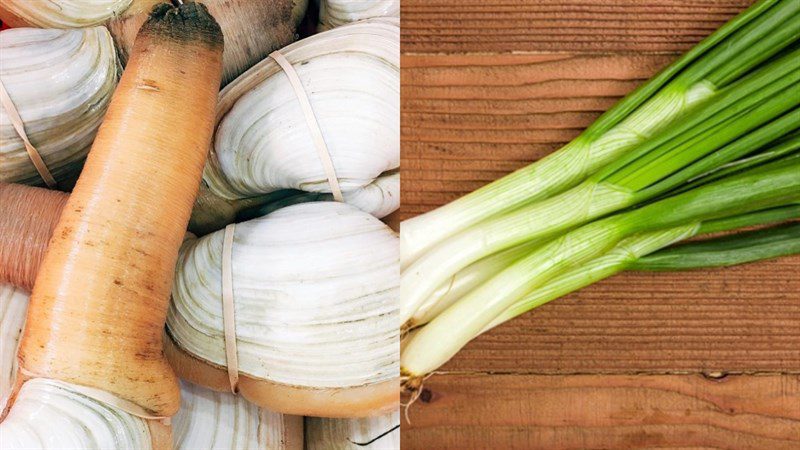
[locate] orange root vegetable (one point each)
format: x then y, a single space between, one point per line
29 216
252 30
99 303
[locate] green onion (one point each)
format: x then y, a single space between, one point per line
754 190
725 251
632 254
478 273
750 113
699 76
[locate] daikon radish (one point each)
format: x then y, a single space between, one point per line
29 216
101 296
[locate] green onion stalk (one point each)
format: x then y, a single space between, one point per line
635 254
755 111
765 29
477 273
741 194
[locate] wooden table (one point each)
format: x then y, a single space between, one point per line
699 359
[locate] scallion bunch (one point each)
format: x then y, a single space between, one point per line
710 144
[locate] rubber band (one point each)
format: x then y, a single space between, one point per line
311 121
228 311
104 397
19 127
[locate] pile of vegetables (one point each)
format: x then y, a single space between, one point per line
708 145
315 284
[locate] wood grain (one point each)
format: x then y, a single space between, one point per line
742 319
468 120
490 86
608 412
503 26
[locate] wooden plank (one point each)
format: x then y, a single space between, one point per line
605 411
502 26
490 86
467 120
739 319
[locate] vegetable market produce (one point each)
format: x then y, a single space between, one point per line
315 295
371 433
49 414
252 30
710 70
119 234
60 82
262 142
334 13
209 419
30 215
720 205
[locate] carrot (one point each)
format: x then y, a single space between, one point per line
99 303
29 216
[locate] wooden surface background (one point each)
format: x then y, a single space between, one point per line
707 359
